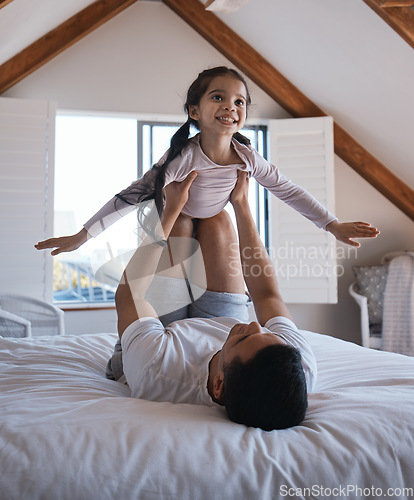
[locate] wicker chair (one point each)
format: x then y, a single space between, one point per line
22 316
14 326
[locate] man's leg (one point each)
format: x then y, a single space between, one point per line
179 247
220 249
170 292
225 295
159 293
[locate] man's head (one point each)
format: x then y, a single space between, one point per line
260 379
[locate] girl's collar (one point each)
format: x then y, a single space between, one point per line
238 147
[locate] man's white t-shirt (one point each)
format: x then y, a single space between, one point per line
172 363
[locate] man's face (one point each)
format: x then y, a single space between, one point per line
245 341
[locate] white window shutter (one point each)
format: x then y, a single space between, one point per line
304 256
27 140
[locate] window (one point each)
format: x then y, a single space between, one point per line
156 140
96 157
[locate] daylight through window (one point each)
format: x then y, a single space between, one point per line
96 157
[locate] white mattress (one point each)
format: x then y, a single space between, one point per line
68 433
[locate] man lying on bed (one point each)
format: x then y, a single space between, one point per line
260 374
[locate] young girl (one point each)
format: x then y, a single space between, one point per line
216 105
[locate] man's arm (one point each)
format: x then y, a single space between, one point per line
137 277
258 271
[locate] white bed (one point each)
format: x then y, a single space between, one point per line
66 432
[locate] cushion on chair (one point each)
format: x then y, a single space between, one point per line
371 282
375 330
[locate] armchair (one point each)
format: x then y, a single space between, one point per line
14 326
385 296
368 291
23 316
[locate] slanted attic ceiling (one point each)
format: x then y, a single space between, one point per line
273 36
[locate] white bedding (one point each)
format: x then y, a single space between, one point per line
68 433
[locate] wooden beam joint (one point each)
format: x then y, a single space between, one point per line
400 17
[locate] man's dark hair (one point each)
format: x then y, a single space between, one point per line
268 391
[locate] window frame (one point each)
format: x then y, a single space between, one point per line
258 126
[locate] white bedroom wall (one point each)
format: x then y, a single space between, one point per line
144 59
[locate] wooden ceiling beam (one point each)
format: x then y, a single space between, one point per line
57 40
397 14
263 74
3 3
395 3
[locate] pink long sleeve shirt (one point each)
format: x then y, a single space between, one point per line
213 185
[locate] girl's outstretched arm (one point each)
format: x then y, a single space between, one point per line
64 243
344 231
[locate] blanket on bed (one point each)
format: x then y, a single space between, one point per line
69 433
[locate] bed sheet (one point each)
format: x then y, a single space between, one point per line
66 432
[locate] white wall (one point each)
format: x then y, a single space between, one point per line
144 59
95 321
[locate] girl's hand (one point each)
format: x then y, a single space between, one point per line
344 231
64 243
240 193
176 193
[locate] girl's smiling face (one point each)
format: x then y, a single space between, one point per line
222 108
